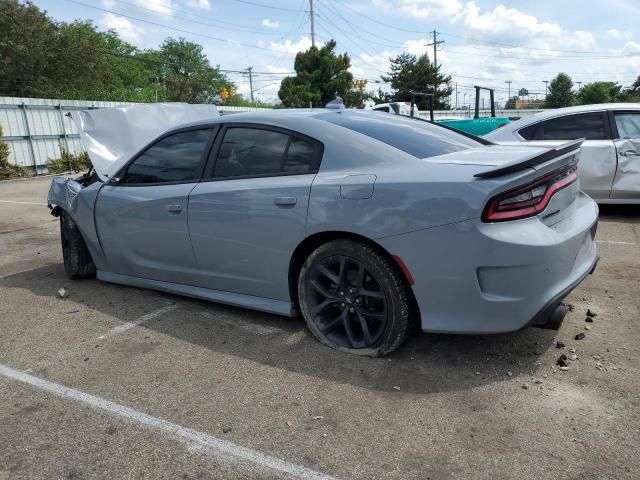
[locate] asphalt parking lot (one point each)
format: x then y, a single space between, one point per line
116 382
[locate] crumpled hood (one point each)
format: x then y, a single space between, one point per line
112 135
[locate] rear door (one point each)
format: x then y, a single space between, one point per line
598 161
626 183
249 213
142 218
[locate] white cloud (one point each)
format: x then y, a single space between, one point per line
270 23
199 4
128 30
290 47
108 3
163 7
505 23
617 34
421 8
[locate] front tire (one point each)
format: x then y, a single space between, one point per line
354 299
77 259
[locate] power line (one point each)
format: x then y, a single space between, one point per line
218 39
262 5
237 26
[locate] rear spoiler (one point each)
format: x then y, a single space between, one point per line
533 160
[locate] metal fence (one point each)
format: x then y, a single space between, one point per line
37 129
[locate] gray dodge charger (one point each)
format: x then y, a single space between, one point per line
363 223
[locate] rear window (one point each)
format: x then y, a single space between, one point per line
415 137
528 132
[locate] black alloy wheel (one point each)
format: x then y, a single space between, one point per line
353 298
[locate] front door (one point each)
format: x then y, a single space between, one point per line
626 184
246 220
141 219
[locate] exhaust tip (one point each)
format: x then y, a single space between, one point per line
555 318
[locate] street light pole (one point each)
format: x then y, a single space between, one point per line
508 82
546 88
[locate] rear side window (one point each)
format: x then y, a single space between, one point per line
176 158
528 132
382 109
252 152
571 127
415 137
628 124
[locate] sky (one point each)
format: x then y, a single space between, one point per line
485 42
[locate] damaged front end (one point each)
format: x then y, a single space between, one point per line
76 198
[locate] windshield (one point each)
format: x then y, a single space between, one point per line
415 137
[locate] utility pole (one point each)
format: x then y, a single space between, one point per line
509 82
250 82
579 85
456 95
435 44
546 88
313 29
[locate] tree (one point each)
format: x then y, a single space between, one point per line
511 103
40 57
599 92
410 73
560 92
185 72
321 75
636 85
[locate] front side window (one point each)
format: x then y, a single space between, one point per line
176 158
572 127
628 124
252 152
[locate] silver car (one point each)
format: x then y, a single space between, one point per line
362 222
610 159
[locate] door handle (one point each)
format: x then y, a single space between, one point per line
630 153
174 209
285 201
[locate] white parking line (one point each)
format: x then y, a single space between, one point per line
23 203
134 323
612 242
221 449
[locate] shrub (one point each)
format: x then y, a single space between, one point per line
68 162
8 170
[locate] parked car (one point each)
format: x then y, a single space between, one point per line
610 160
397 108
362 222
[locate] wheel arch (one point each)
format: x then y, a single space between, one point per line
310 243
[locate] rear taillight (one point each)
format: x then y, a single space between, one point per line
531 199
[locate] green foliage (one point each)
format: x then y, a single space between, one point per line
599 92
511 103
68 162
321 75
9 170
410 73
41 57
560 92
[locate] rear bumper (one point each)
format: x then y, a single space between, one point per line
474 277
544 315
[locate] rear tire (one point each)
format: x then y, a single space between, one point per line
77 259
354 299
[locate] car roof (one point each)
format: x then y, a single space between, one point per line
560 112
